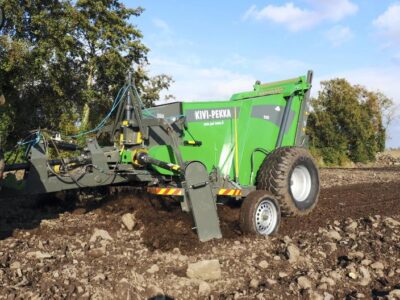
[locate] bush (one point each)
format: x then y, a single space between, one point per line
347 123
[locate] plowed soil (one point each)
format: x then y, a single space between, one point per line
46 250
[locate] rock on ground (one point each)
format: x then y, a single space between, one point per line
100 233
293 253
304 282
128 220
204 270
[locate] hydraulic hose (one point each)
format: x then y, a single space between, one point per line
144 158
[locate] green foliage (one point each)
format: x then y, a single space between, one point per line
347 123
59 56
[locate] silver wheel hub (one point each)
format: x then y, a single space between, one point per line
300 183
266 217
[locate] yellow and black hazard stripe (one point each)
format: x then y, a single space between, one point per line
165 191
179 192
230 192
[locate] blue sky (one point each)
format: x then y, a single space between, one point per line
215 48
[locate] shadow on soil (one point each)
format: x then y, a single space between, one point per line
27 212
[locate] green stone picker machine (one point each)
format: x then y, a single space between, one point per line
251 148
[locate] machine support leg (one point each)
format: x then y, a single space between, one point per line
202 201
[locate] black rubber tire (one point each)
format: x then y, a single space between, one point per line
249 208
275 173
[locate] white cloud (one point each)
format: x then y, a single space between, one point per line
289 15
396 58
296 18
280 66
389 24
162 25
196 83
271 65
338 35
165 36
334 10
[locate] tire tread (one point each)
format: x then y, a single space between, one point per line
272 176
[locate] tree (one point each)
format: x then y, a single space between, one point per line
348 122
64 60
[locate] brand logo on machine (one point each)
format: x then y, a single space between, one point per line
212 114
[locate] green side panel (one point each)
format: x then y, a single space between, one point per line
259 115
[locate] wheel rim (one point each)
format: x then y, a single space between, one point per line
266 217
300 183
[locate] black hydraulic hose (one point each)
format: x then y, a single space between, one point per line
143 158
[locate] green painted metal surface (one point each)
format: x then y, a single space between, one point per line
258 120
126 156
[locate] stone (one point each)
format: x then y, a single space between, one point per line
352 275
263 264
394 294
15 265
315 296
377 266
304 282
19 272
287 239
204 289
282 274
254 283
391 222
204 270
351 227
328 280
271 281
99 277
328 296
128 220
47 223
335 275
260 296
366 262
38 255
333 235
100 233
153 269
96 252
366 276
293 253
356 254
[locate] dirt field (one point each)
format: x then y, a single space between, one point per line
348 248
